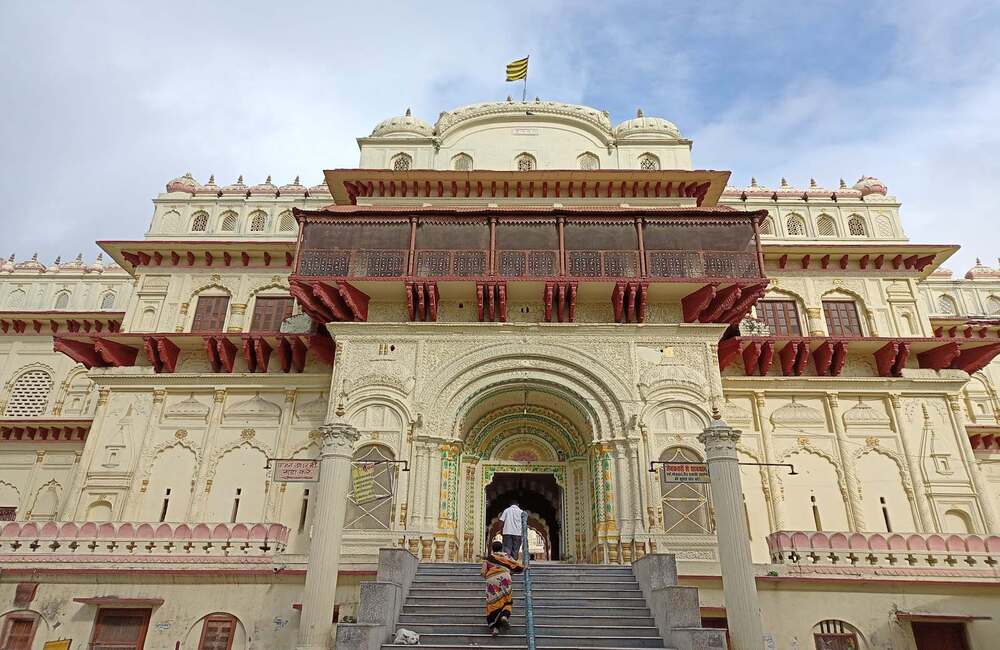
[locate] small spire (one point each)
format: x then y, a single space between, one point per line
638 112
979 262
538 101
509 100
843 184
79 258
296 181
716 413
58 260
784 183
268 181
239 181
100 257
753 181
812 182
11 258
34 258
408 113
211 179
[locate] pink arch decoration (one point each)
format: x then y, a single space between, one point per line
839 541
69 530
89 529
819 540
221 531
12 529
144 531
800 541
239 531
183 532
106 531
126 531
50 529
164 531
857 541
201 531
897 542
993 543
29 529
936 543
877 543
258 532
916 543
975 544
955 543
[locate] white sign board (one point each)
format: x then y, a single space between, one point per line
681 472
291 470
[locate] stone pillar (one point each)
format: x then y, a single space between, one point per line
738 583
316 621
855 509
924 520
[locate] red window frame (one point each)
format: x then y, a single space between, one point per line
842 318
25 642
269 311
206 631
210 314
781 317
142 615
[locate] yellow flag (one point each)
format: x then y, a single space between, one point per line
517 70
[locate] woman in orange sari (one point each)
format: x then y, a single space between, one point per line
497 567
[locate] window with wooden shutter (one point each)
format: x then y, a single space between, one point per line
218 633
18 633
842 318
269 312
781 317
120 629
210 315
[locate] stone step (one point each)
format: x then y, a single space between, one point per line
537 568
541 629
639 611
477 591
536 584
508 645
462 616
580 602
541 641
536 577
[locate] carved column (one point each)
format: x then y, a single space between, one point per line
624 491
636 479
925 522
986 501
815 319
237 314
773 488
316 621
855 510
652 495
738 583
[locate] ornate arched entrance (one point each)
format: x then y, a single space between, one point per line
537 494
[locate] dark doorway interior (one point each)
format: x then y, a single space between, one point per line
539 494
939 636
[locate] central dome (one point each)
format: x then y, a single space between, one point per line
594 117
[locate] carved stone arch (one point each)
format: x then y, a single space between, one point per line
370 397
4 483
787 294
376 383
752 453
271 284
653 409
8 387
582 380
149 458
844 292
211 285
313 440
664 391
904 473
217 457
51 484
808 447
170 221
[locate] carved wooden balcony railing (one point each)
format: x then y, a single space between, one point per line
598 263
701 264
452 263
527 263
356 263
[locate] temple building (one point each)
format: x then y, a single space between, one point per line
520 302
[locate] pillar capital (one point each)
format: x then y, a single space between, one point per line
338 438
719 439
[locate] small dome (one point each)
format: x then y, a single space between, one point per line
185 183
295 187
982 272
267 187
30 265
816 190
642 126
239 187
941 272
7 266
405 125
758 190
870 185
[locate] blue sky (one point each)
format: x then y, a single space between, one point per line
104 102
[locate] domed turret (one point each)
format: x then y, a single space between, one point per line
405 126
641 126
870 185
982 272
185 183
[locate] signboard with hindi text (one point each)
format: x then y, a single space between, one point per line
295 470
63 644
682 472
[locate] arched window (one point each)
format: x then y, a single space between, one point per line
108 300
369 504
835 635
462 162
18 628
884 227
842 318
258 221
62 300
856 226
767 226
589 162
957 521
199 222
402 162
649 162
99 510
30 394
685 505
16 299
525 162
286 222
230 221
795 226
946 305
826 226
993 305
218 632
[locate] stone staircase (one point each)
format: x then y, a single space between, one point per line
581 606
576 606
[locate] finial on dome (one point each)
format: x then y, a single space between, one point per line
296 181
239 181
843 184
408 112
79 257
34 258
510 100
979 262
753 181
11 258
638 112
784 183
59 260
100 257
537 100
268 181
812 182
716 413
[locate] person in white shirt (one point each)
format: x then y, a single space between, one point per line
511 518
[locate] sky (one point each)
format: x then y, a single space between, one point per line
101 103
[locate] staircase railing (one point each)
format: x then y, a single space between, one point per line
529 609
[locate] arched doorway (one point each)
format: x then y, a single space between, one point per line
537 494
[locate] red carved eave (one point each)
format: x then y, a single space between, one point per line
867 257
44 429
163 352
560 301
984 437
422 300
730 304
491 302
150 253
49 322
328 301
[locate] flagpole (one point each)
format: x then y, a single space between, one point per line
524 91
